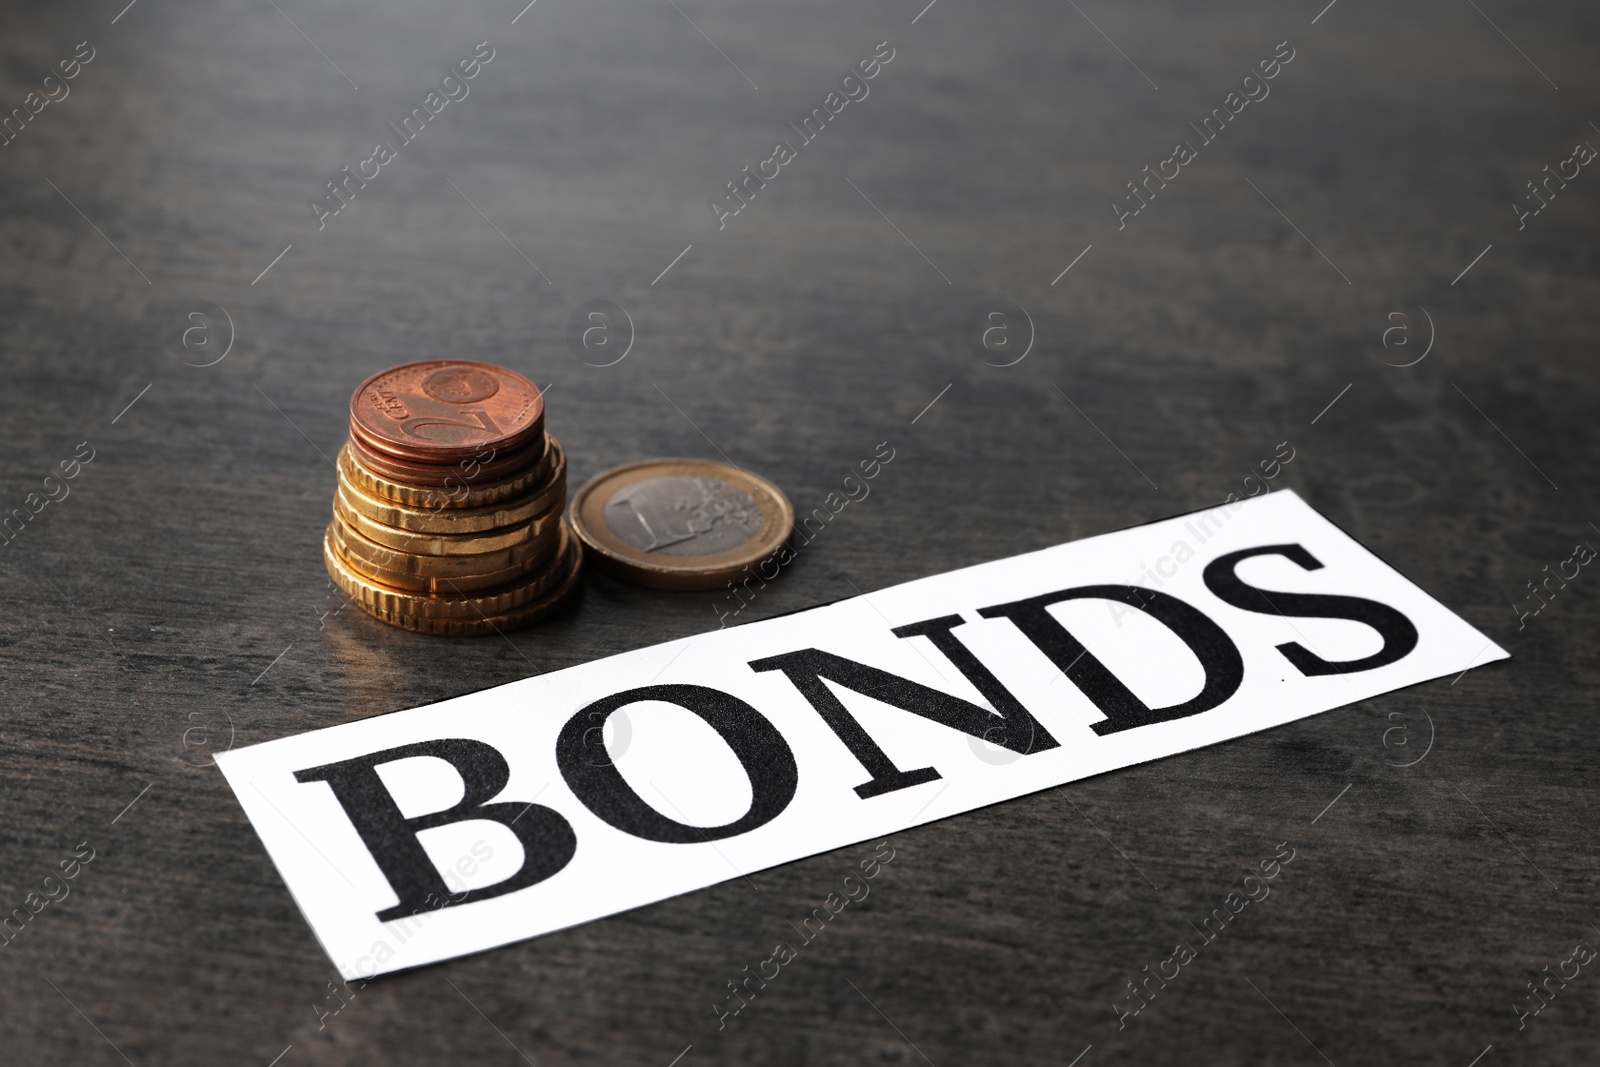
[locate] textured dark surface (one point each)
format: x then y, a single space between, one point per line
185 562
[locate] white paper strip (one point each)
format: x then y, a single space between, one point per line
426 834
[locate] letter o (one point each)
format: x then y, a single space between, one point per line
760 748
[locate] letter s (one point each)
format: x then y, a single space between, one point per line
1398 633
477 50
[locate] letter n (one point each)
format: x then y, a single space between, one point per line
1009 725
548 842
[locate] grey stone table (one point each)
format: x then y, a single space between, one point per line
1347 259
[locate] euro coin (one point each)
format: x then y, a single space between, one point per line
680 523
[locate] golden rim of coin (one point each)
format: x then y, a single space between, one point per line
467 606
442 574
558 599
564 582
551 493
684 520
464 494
425 544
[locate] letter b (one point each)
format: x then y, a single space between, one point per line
548 842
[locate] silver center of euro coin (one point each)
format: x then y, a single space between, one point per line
680 515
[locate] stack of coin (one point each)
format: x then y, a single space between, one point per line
448 514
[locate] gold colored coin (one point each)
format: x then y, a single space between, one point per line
680 523
552 602
442 574
386 600
552 493
564 581
423 544
463 492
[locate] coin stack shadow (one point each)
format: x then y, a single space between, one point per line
453 551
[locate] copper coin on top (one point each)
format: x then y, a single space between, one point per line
680 523
483 467
443 410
